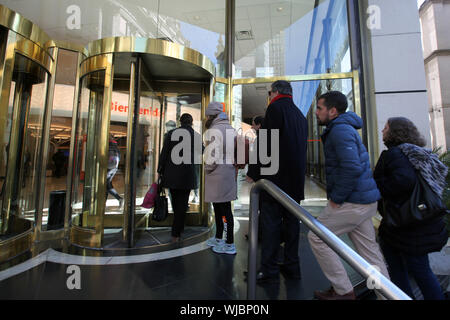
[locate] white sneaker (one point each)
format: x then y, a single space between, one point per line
225 248
212 242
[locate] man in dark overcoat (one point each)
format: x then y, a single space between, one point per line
286 119
178 175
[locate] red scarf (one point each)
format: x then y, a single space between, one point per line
280 96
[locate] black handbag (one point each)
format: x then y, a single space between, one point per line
161 209
423 205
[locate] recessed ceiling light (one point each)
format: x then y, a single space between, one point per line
197 18
279 9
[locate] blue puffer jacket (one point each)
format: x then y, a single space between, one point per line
348 172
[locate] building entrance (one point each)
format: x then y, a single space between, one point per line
132 92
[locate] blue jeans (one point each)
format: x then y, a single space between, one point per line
400 265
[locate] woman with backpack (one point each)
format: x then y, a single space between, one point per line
406 248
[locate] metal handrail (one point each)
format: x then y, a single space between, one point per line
382 284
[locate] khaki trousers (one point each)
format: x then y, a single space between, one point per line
356 220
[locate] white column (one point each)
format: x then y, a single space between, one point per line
398 66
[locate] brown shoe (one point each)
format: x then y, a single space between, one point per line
330 294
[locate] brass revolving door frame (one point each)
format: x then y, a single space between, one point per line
24 39
159 60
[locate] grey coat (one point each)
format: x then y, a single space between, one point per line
220 179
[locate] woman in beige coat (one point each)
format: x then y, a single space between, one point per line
220 175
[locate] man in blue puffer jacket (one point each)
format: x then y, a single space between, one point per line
352 194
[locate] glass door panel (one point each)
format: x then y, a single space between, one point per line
24 132
5 141
175 106
192 104
59 136
91 100
147 142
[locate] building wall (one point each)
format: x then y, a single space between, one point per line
399 85
435 20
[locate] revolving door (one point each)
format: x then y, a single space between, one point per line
25 73
132 91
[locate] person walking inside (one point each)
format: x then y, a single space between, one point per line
406 248
352 195
220 175
113 167
277 223
180 178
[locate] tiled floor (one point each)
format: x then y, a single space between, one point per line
189 271
201 275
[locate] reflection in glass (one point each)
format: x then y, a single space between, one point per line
175 106
91 100
296 38
5 140
27 98
60 131
199 24
115 177
316 158
147 143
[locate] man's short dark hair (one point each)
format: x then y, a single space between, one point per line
282 87
258 120
335 99
186 119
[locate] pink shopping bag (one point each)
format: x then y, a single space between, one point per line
149 200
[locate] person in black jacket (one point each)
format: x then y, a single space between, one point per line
406 248
113 167
284 117
179 174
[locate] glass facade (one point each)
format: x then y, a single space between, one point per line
199 24
306 42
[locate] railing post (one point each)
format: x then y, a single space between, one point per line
253 241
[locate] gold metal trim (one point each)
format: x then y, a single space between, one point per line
18 244
96 63
15 246
33 52
18 24
356 93
16 44
102 151
51 235
207 95
306 77
67 46
85 237
128 164
229 100
5 82
12 156
68 207
150 46
45 141
222 80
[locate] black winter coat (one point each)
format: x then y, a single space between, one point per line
396 178
284 115
183 176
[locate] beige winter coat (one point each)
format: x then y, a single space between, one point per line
220 179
